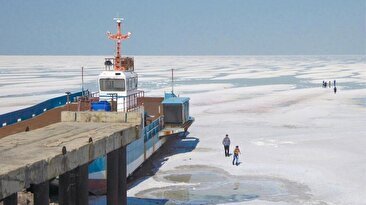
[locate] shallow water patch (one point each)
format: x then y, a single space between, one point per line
210 185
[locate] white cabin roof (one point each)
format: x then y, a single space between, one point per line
117 74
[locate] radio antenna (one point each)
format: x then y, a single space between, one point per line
118 37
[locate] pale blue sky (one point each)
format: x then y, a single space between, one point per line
184 27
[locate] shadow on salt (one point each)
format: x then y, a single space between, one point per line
174 145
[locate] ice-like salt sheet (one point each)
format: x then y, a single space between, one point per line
305 141
27 80
292 129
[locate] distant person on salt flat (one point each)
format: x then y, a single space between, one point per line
334 83
330 83
335 89
236 156
226 143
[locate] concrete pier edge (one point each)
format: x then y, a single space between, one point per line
110 132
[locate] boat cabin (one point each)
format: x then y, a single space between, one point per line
119 86
176 109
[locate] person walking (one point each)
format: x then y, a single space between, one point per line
236 156
335 90
226 143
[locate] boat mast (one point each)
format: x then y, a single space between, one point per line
118 37
82 80
172 80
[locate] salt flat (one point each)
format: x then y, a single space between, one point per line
291 131
300 143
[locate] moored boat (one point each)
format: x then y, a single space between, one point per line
162 117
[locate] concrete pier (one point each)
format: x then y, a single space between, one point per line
64 149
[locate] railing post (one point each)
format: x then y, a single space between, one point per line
68 100
125 105
136 99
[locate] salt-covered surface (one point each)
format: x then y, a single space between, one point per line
27 80
300 143
292 132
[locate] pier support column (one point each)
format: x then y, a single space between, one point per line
66 188
82 192
73 186
122 176
41 193
116 177
11 200
112 178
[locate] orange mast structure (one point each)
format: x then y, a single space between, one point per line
118 37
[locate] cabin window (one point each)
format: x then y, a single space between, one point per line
133 83
130 83
112 84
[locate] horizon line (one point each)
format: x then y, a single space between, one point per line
208 55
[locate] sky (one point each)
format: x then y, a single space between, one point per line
184 27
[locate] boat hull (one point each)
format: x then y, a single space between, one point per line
137 153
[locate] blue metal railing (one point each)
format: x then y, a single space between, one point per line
152 129
28 113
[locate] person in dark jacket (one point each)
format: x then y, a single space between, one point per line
226 143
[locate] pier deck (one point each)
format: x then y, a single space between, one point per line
34 157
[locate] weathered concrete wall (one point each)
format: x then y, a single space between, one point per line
106 117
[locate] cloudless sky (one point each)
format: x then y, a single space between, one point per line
184 27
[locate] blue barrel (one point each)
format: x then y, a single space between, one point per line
101 106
